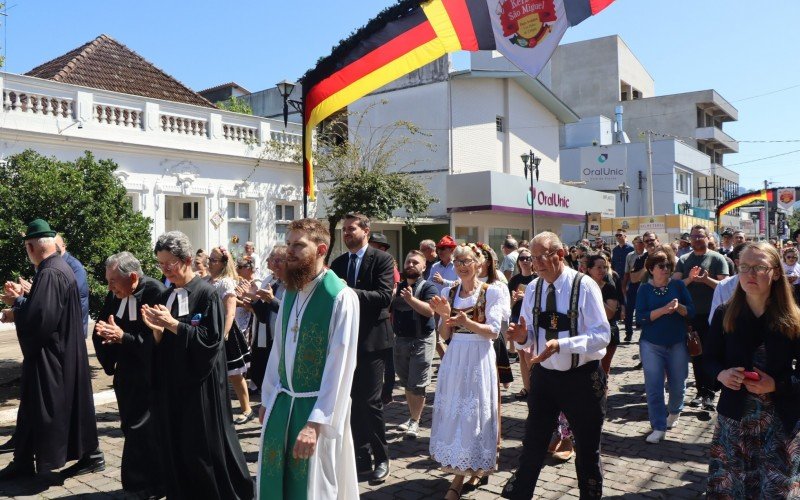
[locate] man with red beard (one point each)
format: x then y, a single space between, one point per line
306 444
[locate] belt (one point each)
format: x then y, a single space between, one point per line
589 366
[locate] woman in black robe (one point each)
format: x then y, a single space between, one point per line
200 450
124 348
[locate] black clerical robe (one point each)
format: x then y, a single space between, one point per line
56 421
199 447
130 362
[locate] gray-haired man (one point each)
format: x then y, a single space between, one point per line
124 346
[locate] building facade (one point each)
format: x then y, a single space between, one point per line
186 165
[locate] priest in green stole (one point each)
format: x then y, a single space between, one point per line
306 447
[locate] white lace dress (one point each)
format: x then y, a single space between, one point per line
464 431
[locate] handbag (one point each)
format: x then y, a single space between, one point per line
693 343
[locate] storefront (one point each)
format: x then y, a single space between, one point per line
487 206
666 227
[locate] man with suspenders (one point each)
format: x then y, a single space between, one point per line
564 318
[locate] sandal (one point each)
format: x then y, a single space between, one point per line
245 418
458 493
521 395
472 486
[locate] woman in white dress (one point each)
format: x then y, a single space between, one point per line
465 424
222 274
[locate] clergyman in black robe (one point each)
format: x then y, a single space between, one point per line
124 347
199 447
56 421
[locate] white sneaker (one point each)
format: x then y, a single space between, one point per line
655 437
672 419
404 426
413 430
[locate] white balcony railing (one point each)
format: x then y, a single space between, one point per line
44 106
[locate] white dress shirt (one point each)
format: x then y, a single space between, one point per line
722 293
594 332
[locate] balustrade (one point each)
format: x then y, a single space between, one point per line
25 102
183 125
239 133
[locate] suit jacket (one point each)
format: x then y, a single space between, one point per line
374 285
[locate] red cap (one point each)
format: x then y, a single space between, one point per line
446 242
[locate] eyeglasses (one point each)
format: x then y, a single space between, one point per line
169 266
647 242
544 255
465 262
663 266
745 269
698 236
525 258
790 257
213 260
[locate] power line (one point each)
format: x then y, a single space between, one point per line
764 158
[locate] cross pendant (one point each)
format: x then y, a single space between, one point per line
295 329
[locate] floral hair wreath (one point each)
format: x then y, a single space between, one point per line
224 252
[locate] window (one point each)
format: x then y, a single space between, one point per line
498 122
239 225
190 210
681 182
284 214
497 235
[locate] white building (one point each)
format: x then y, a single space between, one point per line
595 77
186 164
480 122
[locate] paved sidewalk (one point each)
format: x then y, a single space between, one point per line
676 468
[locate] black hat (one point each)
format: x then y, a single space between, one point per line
727 232
685 237
380 239
38 228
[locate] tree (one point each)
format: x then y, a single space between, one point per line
794 221
81 199
236 105
360 172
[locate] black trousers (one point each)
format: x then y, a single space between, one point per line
581 394
366 415
704 383
630 307
388 375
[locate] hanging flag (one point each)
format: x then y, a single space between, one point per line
411 34
745 199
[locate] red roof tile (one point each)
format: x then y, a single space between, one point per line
106 64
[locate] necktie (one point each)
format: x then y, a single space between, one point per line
550 307
351 271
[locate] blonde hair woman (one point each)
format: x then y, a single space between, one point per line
752 349
464 432
222 274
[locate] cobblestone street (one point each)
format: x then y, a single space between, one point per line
676 468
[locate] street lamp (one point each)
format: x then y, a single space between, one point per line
285 89
686 206
623 195
531 162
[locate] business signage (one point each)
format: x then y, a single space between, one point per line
595 220
603 167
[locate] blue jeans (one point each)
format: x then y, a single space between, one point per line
656 361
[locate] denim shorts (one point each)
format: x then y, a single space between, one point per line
412 362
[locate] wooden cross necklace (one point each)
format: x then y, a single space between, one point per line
299 311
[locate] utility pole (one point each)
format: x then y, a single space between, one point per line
650 174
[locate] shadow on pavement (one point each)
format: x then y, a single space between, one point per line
424 488
30 486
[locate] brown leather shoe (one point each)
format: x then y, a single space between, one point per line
565 450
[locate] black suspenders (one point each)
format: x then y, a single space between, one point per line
574 296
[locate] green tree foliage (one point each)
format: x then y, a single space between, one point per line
794 220
361 172
236 105
83 201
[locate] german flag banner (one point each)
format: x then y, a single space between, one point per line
745 199
411 34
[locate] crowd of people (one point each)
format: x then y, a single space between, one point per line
324 345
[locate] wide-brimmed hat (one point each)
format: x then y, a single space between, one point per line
38 228
685 237
446 242
380 239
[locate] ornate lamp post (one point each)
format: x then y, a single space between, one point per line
623 195
531 162
285 89
686 206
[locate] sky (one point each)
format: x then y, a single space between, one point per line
746 51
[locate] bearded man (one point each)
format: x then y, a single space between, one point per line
306 444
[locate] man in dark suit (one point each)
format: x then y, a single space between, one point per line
370 272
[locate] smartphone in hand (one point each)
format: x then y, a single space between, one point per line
754 376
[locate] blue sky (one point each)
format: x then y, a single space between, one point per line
744 50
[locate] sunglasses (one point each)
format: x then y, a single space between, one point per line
647 242
663 266
525 258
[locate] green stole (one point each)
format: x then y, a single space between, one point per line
282 476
